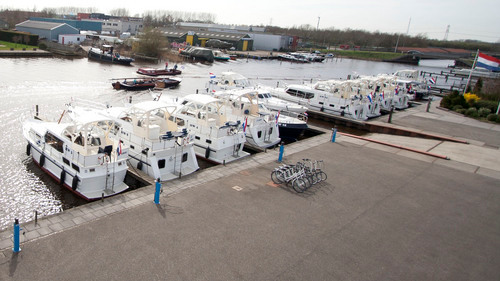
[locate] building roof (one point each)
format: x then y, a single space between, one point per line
41 24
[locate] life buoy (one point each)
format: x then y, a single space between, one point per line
63 177
207 153
28 149
42 160
74 184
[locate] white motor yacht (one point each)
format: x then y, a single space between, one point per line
354 108
157 146
260 123
80 154
217 138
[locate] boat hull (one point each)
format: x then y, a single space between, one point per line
158 72
88 188
109 58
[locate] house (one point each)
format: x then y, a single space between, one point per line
47 30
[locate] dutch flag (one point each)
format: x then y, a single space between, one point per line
212 76
488 62
119 148
432 80
245 125
369 96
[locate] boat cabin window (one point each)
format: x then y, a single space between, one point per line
184 157
95 141
54 142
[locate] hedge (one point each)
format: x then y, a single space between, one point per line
28 39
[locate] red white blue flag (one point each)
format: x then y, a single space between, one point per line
277 117
119 148
488 62
245 125
432 80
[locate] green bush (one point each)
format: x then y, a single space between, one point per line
461 110
472 112
491 105
483 112
453 99
457 107
493 117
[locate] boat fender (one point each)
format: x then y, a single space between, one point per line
42 160
139 165
207 152
322 109
28 149
63 177
74 184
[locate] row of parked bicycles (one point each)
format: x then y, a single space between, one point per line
300 176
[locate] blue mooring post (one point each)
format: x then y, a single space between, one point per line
282 149
17 229
334 134
157 191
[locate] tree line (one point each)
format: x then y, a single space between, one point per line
366 39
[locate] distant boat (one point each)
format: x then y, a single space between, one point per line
220 56
158 72
106 55
144 84
198 53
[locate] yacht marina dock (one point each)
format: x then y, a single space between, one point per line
384 213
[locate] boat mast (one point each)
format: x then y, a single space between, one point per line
471 69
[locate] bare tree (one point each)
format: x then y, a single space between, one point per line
119 12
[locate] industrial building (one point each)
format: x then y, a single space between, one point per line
240 41
47 30
260 39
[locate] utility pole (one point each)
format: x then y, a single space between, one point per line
446 33
317 26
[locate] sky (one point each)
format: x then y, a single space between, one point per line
467 19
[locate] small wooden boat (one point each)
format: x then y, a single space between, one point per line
134 85
158 72
144 84
167 82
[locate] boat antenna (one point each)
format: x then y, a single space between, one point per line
60 118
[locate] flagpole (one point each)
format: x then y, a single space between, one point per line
471 69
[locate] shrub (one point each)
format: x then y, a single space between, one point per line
449 101
471 98
457 107
493 117
472 112
483 112
461 110
491 105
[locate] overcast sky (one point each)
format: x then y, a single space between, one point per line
468 19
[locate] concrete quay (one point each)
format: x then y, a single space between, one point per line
382 214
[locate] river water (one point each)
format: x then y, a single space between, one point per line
50 83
